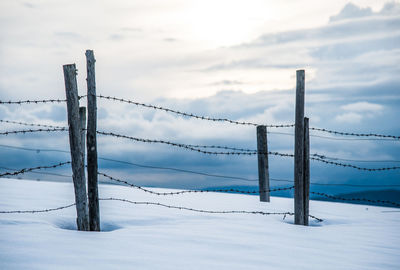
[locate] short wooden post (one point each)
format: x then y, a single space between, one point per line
94 211
78 169
263 172
299 150
82 118
306 170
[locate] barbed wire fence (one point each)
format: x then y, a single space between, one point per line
203 149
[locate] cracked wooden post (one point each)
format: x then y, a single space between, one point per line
263 172
306 170
299 151
92 167
82 118
78 169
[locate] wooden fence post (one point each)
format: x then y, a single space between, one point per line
299 151
82 118
306 170
92 168
263 172
78 169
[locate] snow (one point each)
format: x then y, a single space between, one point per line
154 237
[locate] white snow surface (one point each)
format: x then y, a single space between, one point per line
154 237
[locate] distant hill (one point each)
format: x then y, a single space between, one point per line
387 195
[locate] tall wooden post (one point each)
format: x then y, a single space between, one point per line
306 170
299 150
94 211
78 169
263 172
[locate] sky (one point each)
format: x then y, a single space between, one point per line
229 59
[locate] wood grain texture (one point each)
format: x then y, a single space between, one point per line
82 118
78 169
94 210
263 170
299 150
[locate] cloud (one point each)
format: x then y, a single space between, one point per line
358 111
227 83
362 106
355 52
351 11
350 117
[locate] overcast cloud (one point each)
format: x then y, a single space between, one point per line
157 53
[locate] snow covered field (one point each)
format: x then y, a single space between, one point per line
154 237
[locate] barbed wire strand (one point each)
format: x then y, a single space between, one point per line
24 131
202 117
236 151
38 150
231 190
159 204
354 166
20 102
190 114
269 132
284 214
215 146
239 122
334 138
355 199
29 124
25 170
249 152
354 160
43 173
354 134
192 147
36 211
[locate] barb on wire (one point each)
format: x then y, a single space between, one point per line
36 211
29 124
207 211
24 131
355 199
25 170
189 191
190 114
355 134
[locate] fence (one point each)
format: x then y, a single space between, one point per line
87 204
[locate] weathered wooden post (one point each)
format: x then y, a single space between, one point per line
306 170
82 117
263 172
94 211
78 169
299 150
